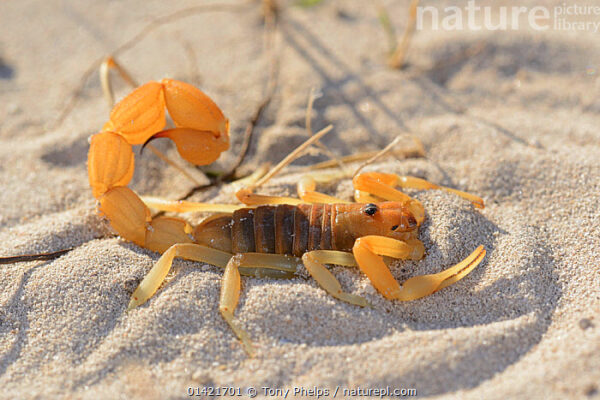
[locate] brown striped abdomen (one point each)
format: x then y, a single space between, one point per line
283 229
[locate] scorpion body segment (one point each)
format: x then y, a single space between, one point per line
297 229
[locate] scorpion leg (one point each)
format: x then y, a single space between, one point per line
315 261
254 264
368 250
381 185
418 183
306 191
182 206
374 182
249 198
262 263
366 197
230 295
159 271
230 291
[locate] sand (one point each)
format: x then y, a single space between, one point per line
516 123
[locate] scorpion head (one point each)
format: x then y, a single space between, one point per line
388 217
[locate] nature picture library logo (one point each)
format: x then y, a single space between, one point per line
476 17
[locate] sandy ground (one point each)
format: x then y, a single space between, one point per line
515 121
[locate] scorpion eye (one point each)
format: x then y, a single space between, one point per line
370 209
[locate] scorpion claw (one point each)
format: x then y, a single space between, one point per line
368 250
421 286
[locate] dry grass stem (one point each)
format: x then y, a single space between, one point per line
387 149
413 152
398 57
292 156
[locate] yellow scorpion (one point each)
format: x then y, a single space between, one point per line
269 236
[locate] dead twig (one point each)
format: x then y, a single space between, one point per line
248 133
34 257
270 13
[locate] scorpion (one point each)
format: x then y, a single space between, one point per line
267 236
